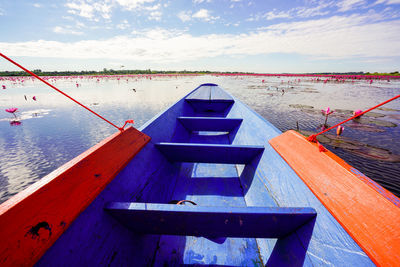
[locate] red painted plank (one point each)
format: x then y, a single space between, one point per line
372 219
31 221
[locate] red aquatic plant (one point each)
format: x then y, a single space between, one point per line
357 113
12 110
15 123
326 112
339 130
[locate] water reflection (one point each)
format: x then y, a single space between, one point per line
54 130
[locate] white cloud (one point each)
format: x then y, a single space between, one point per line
1 12
96 9
133 4
346 5
37 5
153 8
387 2
201 1
155 15
81 9
62 30
123 25
185 16
338 37
275 15
320 8
204 14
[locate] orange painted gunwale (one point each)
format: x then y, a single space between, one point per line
59 198
369 217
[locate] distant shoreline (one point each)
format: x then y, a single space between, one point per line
107 72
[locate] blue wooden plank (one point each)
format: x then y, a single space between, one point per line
210 124
218 94
263 222
208 185
209 153
203 92
200 105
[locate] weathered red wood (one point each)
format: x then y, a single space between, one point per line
370 217
31 221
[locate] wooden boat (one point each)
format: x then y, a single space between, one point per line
208 181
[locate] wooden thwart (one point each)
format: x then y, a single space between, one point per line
369 217
261 222
210 123
209 153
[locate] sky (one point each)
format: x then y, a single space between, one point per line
262 36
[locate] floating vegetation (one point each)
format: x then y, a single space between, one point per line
368 114
365 127
377 122
356 147
388 109
301 106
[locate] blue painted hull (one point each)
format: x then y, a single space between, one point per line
214 162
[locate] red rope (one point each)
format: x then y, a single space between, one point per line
61 92
313 138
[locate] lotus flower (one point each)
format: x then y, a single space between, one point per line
357 112
15 123
327 111
34 98
339 130
4 87
12 110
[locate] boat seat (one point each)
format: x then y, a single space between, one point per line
170 219
210 98
217 124
209 153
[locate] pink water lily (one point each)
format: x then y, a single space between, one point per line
357 112
327 111
12 110
34 98
15 123
4 87
339 130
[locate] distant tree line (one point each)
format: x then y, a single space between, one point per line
106 71
103 72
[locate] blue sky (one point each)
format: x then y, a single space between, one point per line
218 35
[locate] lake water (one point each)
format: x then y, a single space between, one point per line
53 129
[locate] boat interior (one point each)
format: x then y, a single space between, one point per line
207 189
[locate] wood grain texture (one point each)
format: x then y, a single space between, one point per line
34 219
372 220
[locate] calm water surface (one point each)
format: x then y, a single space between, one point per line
54 130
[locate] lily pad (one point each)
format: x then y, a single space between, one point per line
378 122
344 111
301 106
374 114
368 114
365 127
356 147
394 116
388 109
